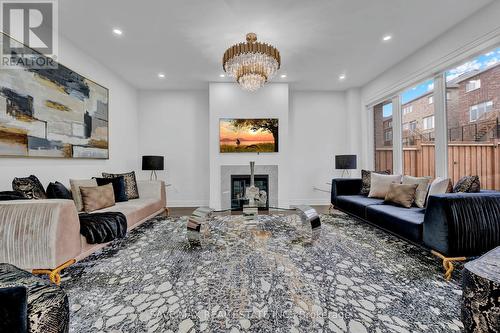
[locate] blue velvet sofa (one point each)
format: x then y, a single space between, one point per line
452 224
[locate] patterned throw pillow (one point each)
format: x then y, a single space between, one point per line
99 197
401 194
130 183
30 187
467 184
366 180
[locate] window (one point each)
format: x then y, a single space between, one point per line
472 85
388 136
382 122
477 111
413 125
418 141
448 95
408 109
428 123
473 118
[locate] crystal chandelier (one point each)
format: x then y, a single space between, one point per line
252 64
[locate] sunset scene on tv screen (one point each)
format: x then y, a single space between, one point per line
248 135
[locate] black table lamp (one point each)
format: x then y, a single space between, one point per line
345 163
153 163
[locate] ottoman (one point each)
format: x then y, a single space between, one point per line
481 293
48 308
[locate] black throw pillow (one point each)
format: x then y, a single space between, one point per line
119 187
30 187
13 310
12 195
58 191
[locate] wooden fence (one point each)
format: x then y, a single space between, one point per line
482 159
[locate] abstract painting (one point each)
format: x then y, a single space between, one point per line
248 135
52 113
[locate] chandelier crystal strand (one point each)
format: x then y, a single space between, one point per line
252 64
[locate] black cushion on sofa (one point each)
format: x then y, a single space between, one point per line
356 204
13 309
30 186
119 187
58 191
406 222
12 195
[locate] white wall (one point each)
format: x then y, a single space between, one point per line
123 131
318 131
175 124
228 100
184 126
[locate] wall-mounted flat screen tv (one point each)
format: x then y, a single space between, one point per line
248 135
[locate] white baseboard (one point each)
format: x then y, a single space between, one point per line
187 203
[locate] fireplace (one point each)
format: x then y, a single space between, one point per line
238 185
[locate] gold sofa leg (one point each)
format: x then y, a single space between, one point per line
448 263
167 212
53 274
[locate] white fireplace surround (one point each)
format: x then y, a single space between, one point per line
226 171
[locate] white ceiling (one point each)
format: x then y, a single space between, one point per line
318 39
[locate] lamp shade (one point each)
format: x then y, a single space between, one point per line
152 162
344 162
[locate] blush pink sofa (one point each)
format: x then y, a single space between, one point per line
43 236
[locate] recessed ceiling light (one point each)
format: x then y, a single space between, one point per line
342 76
222 75
117 31
283 76
161 75
387 38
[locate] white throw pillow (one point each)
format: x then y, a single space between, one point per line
423 187
75 190
379 185
440 185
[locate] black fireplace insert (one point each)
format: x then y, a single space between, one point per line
238 185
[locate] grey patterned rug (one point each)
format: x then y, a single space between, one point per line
268 275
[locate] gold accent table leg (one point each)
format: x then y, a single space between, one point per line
448 265
330 210
53 274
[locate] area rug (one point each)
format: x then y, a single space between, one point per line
265 275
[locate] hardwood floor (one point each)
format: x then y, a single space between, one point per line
183 211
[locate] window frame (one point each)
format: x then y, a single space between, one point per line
476 87
424 123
